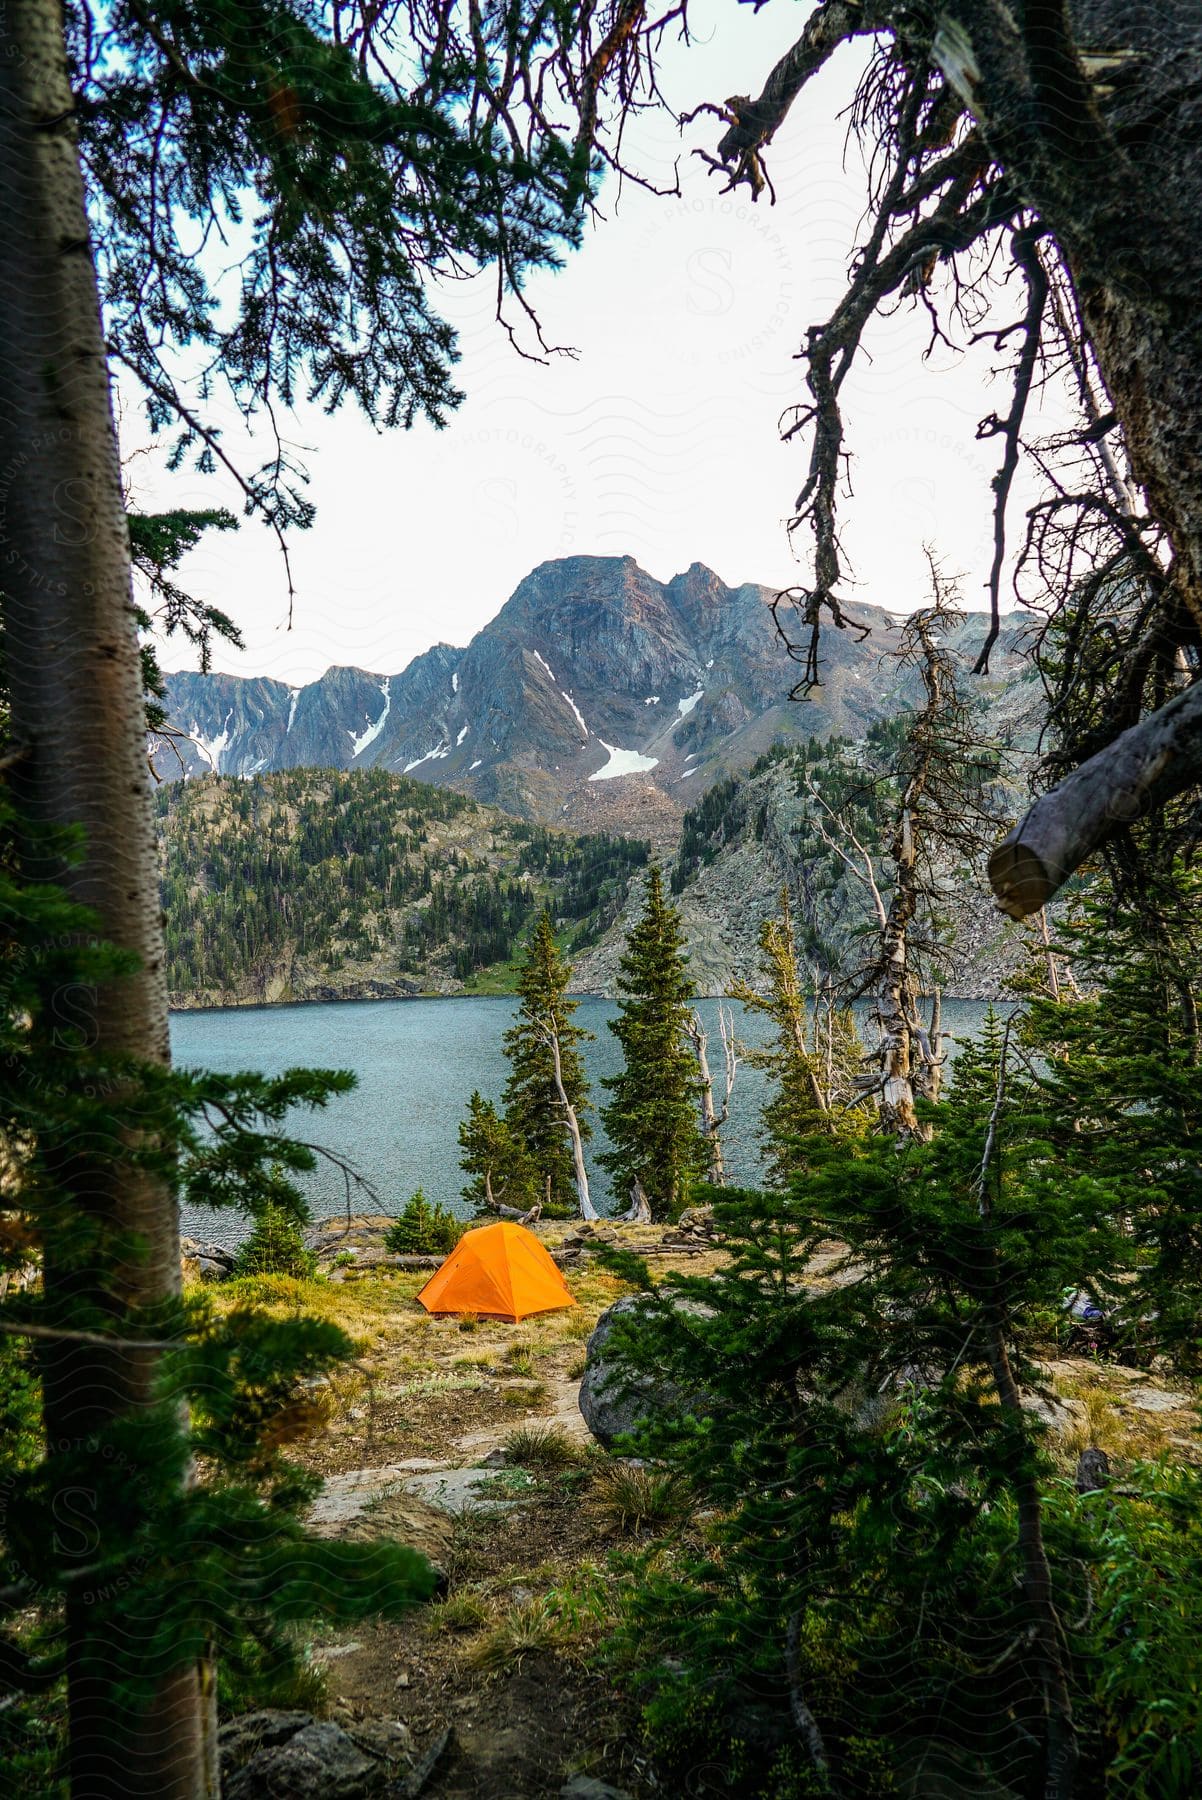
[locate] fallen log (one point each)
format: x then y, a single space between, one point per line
1144 766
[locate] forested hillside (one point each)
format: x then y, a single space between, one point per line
777 826
314 884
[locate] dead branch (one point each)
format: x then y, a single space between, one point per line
867 873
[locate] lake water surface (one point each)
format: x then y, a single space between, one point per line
417 1062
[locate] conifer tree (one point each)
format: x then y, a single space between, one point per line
422 1228
502 1175
880 1491
354 151
534 1110
276 1246
812 1066
173 1565
1124 1102
652 1121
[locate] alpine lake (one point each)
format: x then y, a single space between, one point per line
416 1063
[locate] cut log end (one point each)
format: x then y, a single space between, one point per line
1020 879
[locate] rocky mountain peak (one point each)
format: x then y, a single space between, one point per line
598 698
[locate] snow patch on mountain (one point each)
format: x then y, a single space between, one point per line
435 755
359 744
463 733
212 748
622 762
293 697
685 706
576 710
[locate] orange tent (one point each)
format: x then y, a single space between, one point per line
501 1271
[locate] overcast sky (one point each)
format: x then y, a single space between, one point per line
658 440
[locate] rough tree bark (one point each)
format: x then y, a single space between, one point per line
1112 162
74 681
639 1210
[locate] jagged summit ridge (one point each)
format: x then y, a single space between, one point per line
598 697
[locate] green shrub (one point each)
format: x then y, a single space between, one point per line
1141 1658
276 1247
423 1229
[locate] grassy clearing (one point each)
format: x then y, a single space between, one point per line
1114 1422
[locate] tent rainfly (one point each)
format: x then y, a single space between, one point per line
499 1271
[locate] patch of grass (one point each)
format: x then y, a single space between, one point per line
463 1611
520 1359
530 1625
467 1322
525 1393
565 1621
578 1325
482 1359
634 1495
1112 1420
577 1369
444 1381
542 1447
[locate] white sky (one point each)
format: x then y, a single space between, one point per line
659 440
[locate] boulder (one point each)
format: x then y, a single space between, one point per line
293 1756
616 1400
205 1262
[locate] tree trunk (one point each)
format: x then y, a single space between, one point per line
74 680
1061 1746
709 1117
897 1115
587 1209
493 1205
1038 1590
639 1210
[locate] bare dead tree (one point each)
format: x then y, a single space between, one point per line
493 1205
942 808
1035 177
550 1034
713 1119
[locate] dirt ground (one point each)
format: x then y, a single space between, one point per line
523 1711
463 1437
